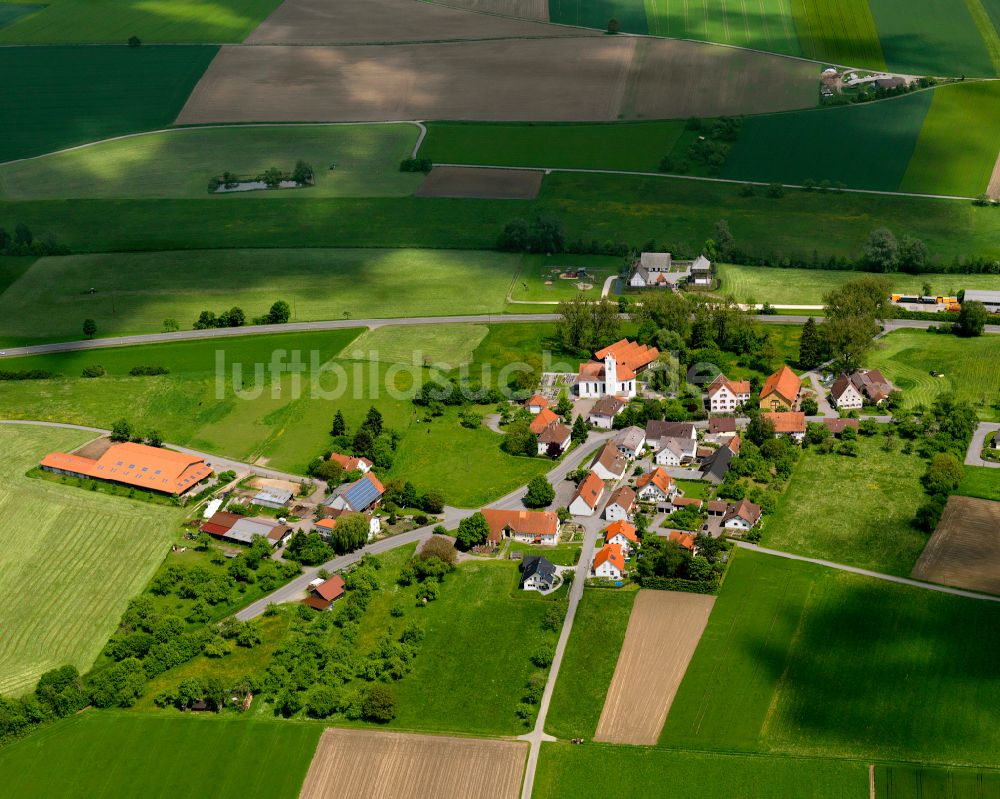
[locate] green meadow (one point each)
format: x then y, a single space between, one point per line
104 755
904 781
828 664
114 21
349 161
766 25
838 32
980 481
55 97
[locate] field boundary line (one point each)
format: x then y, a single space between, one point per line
891 578
580 170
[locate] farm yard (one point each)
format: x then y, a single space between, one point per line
663 631
965 549
583 771
55 97
318 284
812 518
72 560
357 764
105 755
349 161
969 368
819 656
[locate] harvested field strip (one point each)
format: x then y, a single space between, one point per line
663 631
993 190
965 549
486 184
959 141
360 764
838 32
537 10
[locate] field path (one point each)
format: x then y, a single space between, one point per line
993 190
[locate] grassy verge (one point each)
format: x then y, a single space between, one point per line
980 481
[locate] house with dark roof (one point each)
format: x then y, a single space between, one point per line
605 410
849 392
837 426
657 429
621 505
324 593
722 426
554 440
716 466
358 496
780 391
630 442
609 464
741 517
537 574
588 496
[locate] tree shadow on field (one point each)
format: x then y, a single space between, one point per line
880 670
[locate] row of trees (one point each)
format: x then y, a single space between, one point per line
23 242
279 313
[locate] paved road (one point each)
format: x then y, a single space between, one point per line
972 457
943 589
345 324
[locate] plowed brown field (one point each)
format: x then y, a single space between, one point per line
964 551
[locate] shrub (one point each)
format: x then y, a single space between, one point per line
148 371
94 370
416 165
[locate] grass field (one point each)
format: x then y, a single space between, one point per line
828 664
72 559
809 286
613 208
631 14
767 25
970 367
631 146
941 38
600 770
838 32
56 97
318 284
902 782
814 519
589 663
449 345
100 755
538 270
980 481
180 163
114 21
11 12
862 146
958 143
12 268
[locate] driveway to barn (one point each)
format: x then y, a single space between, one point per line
973 456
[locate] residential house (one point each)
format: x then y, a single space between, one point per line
656 486
621 505
837 426
630 442
554 440
324 593
588 496
526 526
671 451
613 369
604 412
537 574
716 466
654 269
717 507
741 516
275 498
609 562
657 429
844 395
788 423
720 427
543 419
537 403
359 496
685 540
850 391
136 465
623 534
325 525
701 271
350 463
679 502
781 391
725 395
609 464
734 444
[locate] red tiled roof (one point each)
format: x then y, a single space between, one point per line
611 553
137 465
787 421
836 426
686 502
734 386
538 400
785 383
685 540
629 354
543 419
330 589
623 496
624 528
658 477
590 490
734 445
350 462
525 522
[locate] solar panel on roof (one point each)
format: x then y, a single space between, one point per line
361 494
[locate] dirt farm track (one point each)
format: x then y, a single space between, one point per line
367 764
964 551
663 632
599 78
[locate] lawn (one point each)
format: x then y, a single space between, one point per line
539 281
838 32
560 555
856 511
809 286
474 662
630 146
318 284
932 37
958 144
620 208
584 772
862 146
589 663
180 162
809 661
72 559
55 97
980 481
970 367
114 21
105 755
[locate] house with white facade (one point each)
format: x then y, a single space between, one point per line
609 464
554 440
741 517
671 451
844 395
526 526
609 562
605 410
621 505
725 395
656 486
623 534
537 403
630 442
588 496
613 370
537 574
